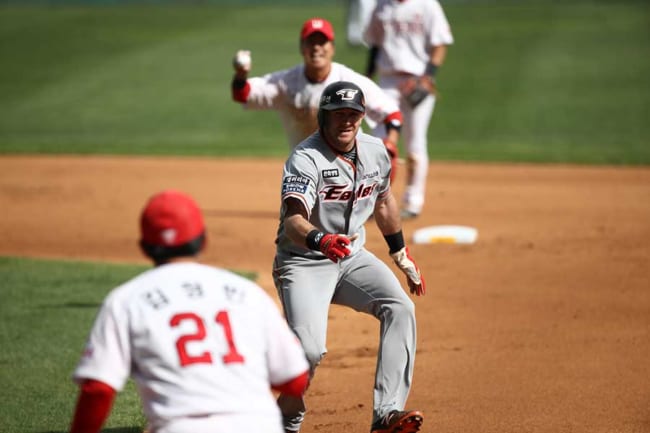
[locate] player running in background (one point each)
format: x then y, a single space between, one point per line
332 182
295 92
203 345
408 42
357 17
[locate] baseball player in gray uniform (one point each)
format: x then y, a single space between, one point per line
332 183
295 92
408 42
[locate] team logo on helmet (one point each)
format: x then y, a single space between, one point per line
347 94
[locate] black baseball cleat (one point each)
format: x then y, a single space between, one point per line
408 421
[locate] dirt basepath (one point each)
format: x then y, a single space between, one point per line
543 325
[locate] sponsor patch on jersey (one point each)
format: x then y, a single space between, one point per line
330 173
294 184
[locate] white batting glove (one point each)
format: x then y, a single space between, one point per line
242 61
407 265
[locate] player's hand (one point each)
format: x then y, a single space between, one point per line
391 148
335 246
242 62
416 89
429 83
405 262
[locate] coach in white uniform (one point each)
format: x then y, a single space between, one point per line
332 183
408 42
203 345
295 92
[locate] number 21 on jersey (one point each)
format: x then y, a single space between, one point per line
232 357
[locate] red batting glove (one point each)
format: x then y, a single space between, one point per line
391 148
334 246
405 262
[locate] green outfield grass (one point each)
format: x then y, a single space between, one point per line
47 308
539 81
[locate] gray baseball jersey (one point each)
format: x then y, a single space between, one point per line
339 196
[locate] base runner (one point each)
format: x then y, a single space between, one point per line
332 183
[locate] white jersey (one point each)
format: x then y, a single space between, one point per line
296 98
338 195
406 31
198 342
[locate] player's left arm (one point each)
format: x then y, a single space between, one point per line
393 123
288 368
387 215
437 57
440 38
390 224
295 387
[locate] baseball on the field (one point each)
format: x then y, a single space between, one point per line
243 59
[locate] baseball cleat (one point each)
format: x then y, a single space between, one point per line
408 421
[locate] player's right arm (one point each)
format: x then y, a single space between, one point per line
297 228
104 366
93 406
239 86
296 221
258 93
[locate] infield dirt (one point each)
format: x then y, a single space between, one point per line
542 325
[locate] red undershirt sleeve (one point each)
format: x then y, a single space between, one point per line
93 406
240 91
295 387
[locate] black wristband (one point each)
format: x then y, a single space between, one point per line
372 58
394 124
395 242
238 83
313 239
431 69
